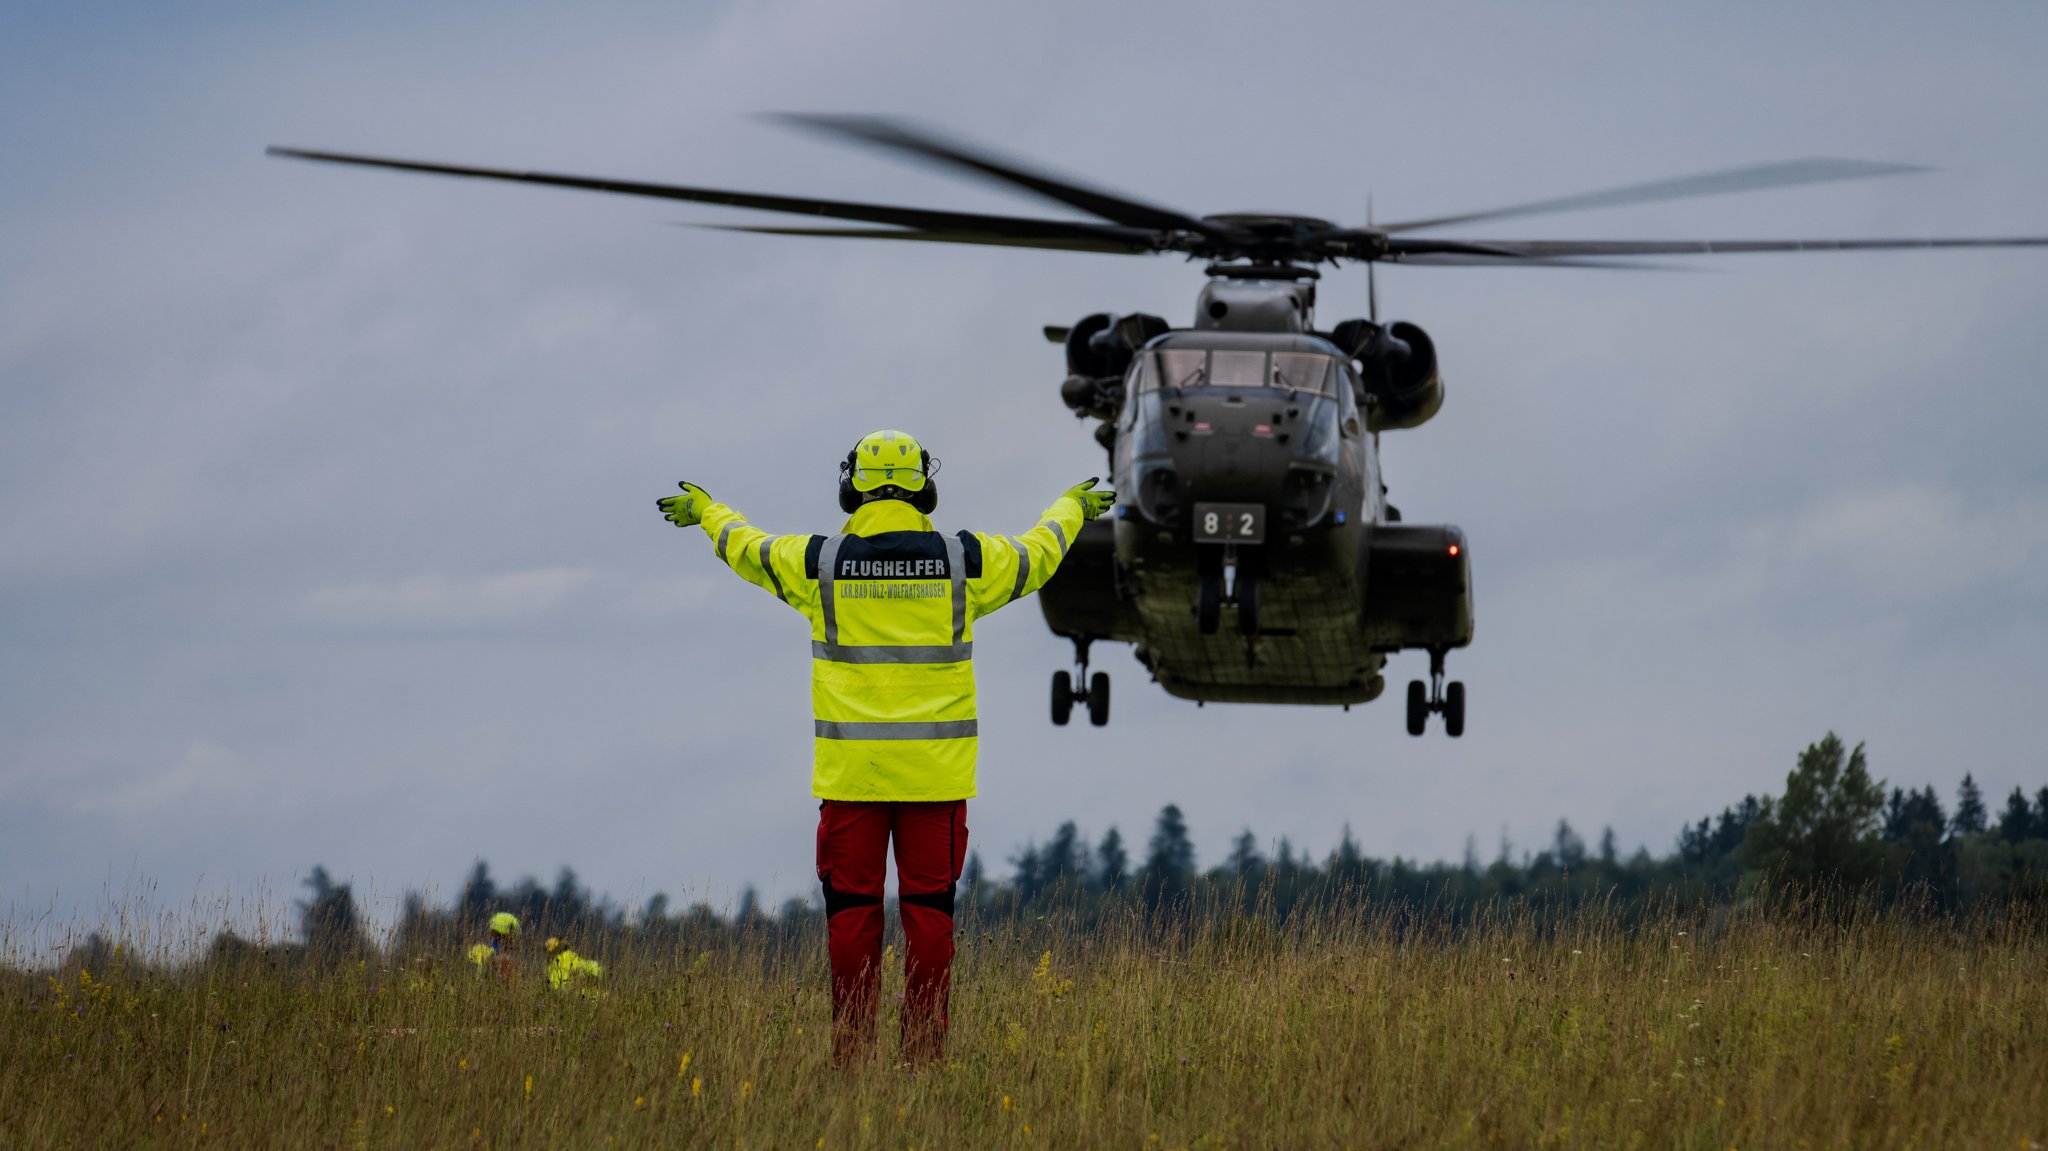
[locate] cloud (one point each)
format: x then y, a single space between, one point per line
1900 550
334 487
437 601
445 601
203 774
1909 542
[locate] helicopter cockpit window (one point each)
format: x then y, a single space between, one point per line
1302 372
1144 378
1237 369
1175 368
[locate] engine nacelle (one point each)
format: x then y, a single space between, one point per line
1102 345
1092 396
1397 369
1099 351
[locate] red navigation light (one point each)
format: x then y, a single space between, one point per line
1454 549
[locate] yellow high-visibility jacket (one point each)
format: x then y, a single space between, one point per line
892 604
567 967
490 960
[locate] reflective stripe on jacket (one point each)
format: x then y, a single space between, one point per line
892 604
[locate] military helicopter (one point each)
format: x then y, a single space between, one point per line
1245 446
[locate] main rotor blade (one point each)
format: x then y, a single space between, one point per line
1113 245
1015 227
1409 247
1818 170
896 136
1568 249
1469 260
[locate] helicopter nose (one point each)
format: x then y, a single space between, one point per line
1234 447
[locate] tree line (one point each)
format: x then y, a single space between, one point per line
1834 826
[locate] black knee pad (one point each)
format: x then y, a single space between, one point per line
837 901
937 900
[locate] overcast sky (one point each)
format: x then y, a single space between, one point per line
326 524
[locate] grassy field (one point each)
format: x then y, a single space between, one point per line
1366 1029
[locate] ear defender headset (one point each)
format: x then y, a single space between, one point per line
925 499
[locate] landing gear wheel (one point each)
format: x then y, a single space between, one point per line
1247 605
1447 699
1098 698
1209 603
1062 697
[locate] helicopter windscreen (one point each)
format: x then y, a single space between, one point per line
1185 405
1181 368
1314 383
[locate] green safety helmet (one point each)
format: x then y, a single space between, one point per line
504 923
888 459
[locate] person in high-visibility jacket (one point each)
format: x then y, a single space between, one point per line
491 957
567 969
892 604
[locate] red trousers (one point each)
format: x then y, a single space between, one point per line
931 848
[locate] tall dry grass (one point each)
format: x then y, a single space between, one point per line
1368 1028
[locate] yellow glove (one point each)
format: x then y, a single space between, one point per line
687 509
1093 503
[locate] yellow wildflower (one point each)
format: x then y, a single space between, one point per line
696 1088
639 1101
1045 983
683 1067
529 1087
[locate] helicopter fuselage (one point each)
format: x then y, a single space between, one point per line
1248 477
1252 522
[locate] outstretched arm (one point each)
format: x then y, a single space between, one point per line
770 562
1013 567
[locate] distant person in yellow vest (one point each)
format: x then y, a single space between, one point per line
891 603
567 969
494 957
